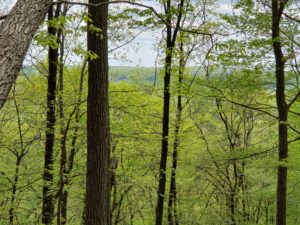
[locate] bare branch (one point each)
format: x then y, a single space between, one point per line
294 99
291 18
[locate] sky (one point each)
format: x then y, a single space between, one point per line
146 53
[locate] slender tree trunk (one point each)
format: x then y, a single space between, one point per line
232 207
16 33
172 203
97 207
47 206
170 43
61 219
277 9
14 191
165 130
18 162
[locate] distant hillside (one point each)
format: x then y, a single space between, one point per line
125 73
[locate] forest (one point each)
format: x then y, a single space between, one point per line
209 134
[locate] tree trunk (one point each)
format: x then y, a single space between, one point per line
165 131
19 158
277 9
97 207
170 43
61 214
172 209
48 207
63 136
16 33
14 191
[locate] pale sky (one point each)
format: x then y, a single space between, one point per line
146 53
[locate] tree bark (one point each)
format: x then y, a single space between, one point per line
165 131
97 207
172 203
16 33
63 138
61 214
48 207
277 10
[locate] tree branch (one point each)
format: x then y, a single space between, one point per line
294 99
194 31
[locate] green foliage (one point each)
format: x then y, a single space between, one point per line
227 154
45 39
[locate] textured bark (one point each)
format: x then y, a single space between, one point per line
97 207
16 33
48 207
277 10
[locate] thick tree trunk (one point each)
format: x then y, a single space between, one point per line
16 33
277 9
48 207
97 207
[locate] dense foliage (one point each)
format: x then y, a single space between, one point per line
222 157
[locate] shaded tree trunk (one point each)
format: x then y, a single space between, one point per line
19 158
277 10
16 33
47 206
165 131
172 203
170 43
97 205
14 191
63 137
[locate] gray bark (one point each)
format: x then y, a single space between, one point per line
16 33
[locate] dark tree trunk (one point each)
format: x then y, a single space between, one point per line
97 207
19 158
48 207
232 207
172 203
165 131
61 214
277 10
63 136
170 43
14 191
16 33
